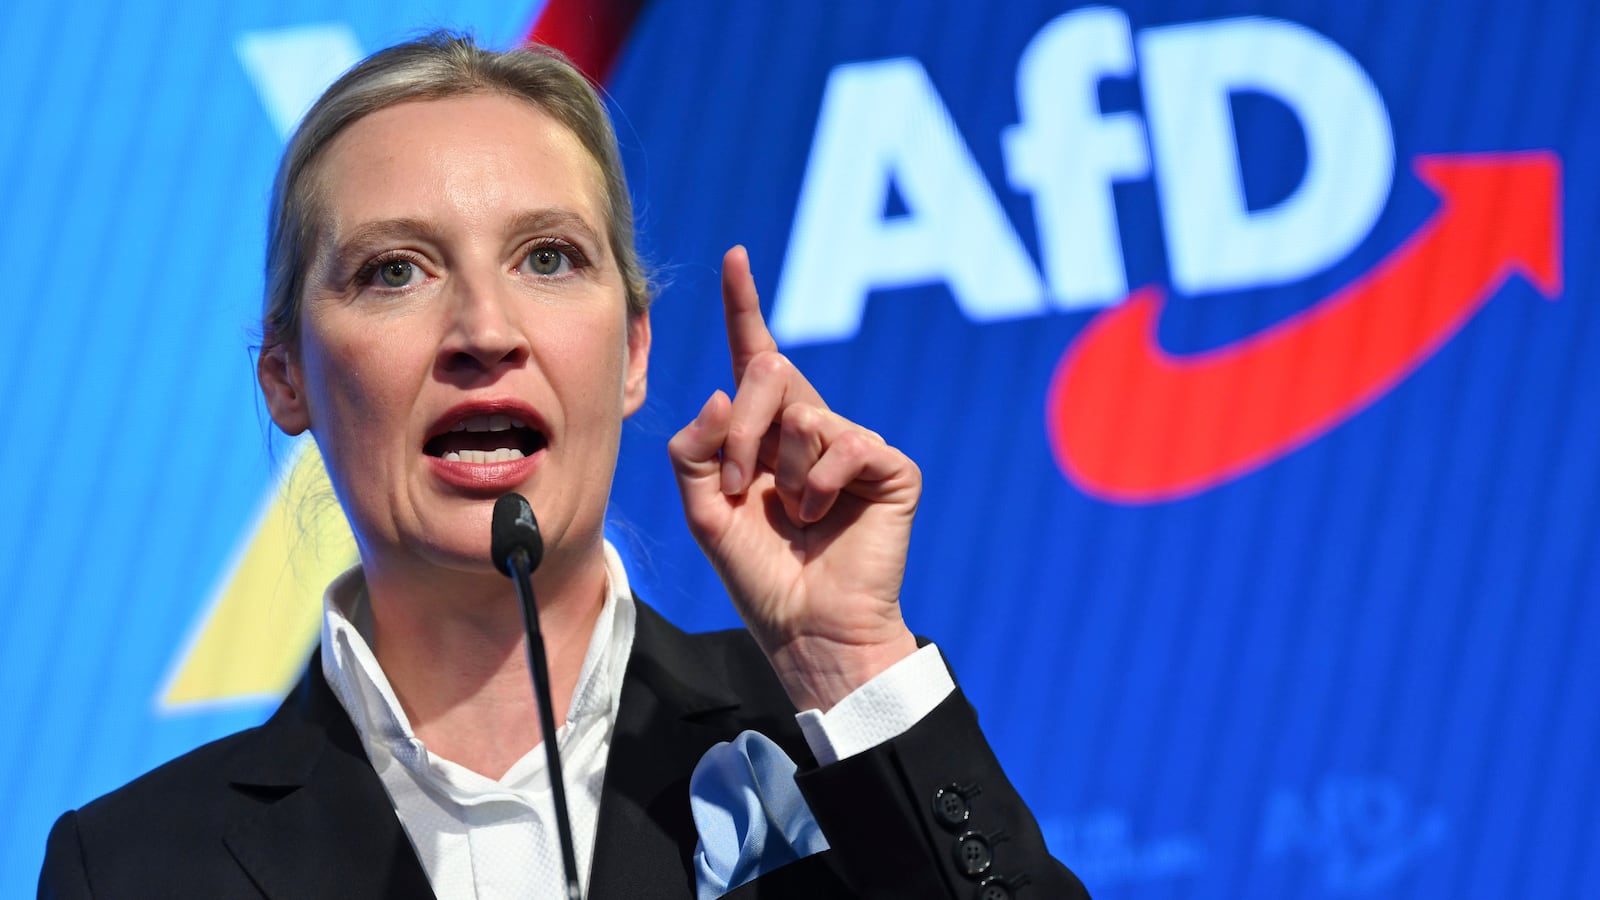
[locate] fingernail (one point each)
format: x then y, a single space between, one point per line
731 479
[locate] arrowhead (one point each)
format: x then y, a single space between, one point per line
1510 207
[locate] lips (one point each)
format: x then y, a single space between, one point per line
486 446
486 432
486 438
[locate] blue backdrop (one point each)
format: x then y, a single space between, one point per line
1285 591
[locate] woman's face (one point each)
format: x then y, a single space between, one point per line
464 331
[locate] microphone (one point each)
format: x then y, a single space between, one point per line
516 549
514 528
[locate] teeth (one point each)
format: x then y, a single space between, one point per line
489 423
504 454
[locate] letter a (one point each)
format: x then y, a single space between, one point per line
883 124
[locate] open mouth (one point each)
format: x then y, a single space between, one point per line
486 439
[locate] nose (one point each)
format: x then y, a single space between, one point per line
483 332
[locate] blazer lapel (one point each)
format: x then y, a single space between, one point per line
322 824
314 821
676 703
674 706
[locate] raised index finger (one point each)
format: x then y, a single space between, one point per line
741 305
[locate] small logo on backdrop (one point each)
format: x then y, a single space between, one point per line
1362 832
1102 849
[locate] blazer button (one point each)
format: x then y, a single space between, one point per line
950 807
994 888
974 856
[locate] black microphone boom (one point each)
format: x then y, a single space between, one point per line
516 549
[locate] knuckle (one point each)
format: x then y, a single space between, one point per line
767 364
856 444
801 417
682 444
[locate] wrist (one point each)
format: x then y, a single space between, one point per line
818 672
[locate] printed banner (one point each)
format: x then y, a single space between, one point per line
1245 348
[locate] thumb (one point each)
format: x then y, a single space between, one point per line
696 454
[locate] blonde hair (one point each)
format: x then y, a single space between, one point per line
441 64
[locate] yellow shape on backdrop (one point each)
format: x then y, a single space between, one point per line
260 624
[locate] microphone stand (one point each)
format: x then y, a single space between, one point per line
522 575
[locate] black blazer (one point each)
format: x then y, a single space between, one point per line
293 810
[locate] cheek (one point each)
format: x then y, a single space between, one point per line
586 365
362 388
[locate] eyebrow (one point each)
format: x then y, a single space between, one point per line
558 219
366 236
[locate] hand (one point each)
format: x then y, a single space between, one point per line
805 515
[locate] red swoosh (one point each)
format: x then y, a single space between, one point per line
589 32
1132 423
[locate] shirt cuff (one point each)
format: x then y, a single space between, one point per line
880 710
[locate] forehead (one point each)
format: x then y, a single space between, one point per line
475 157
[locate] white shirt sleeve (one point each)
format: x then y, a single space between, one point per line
880 710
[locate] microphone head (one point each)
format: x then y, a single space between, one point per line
514 528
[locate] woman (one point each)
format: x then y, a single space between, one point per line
455 310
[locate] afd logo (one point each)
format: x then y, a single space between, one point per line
1127 421
1105 851
1362 832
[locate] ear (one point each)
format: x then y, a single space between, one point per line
638 364
282 382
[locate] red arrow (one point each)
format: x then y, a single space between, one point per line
1132 423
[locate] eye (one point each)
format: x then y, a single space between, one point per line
548 260
395 272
